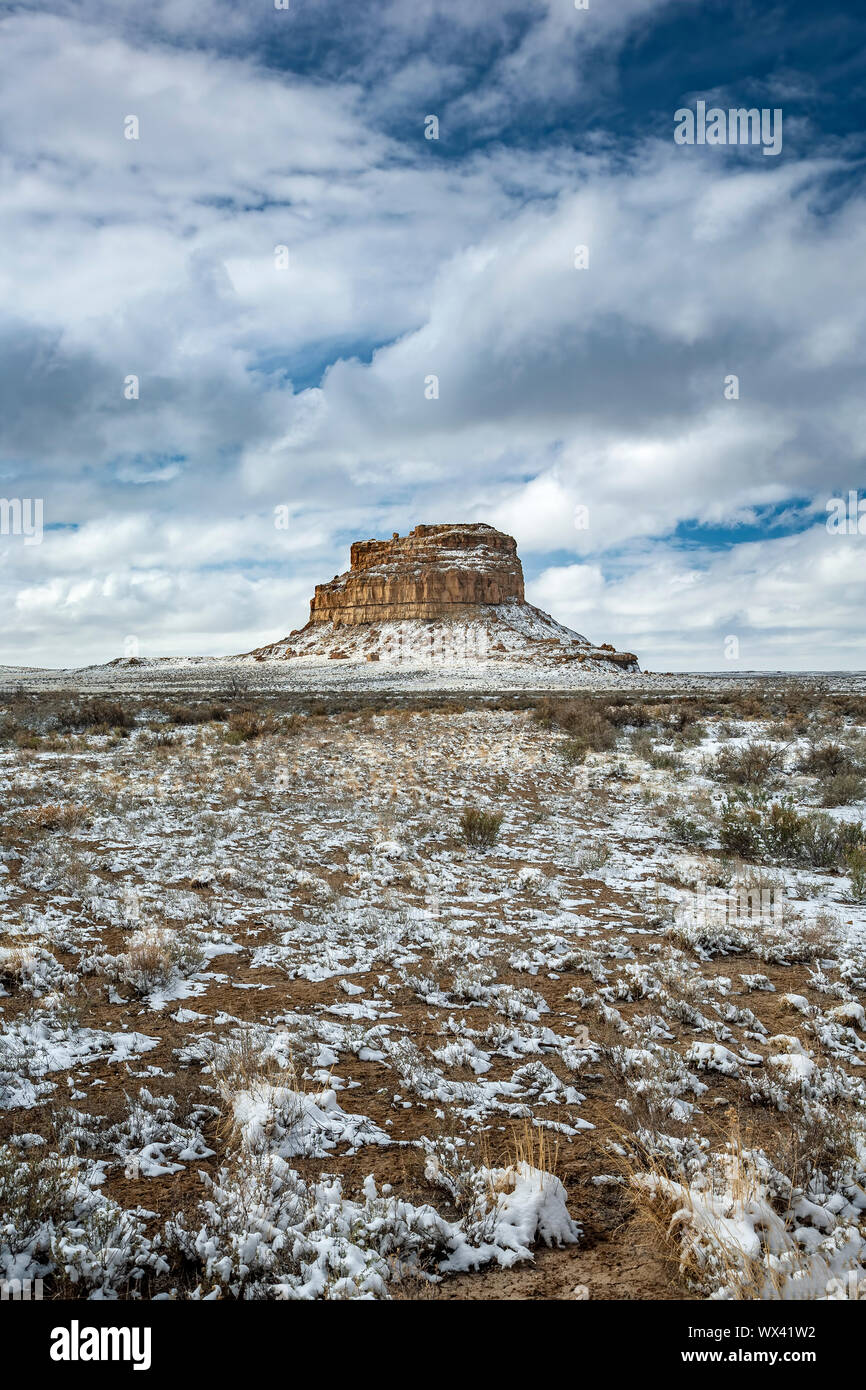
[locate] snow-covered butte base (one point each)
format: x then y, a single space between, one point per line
508 632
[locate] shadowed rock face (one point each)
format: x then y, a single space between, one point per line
435 572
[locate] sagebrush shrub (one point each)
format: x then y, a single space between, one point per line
819 842
740 828
751 766
754 829
155 955
842 788
855 859
781 830
826 760
34 1189
687 831
589 730
642 743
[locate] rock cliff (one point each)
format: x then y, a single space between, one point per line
434 572
447 594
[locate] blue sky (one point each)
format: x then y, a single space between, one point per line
303 385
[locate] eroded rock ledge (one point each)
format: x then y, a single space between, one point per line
435 572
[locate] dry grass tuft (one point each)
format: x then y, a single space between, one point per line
480 829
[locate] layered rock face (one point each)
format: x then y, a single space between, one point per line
435 572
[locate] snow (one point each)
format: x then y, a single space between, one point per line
530 1205
385 986
292 1123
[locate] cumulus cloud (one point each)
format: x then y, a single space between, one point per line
299 379
790 603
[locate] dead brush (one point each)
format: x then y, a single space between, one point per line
32 822
37 1185
155 955
241 1066
409 1284
646 1105
14 961
147 963
696 1210
797 940
591 858
456 1164
246 724
524 1144
58 816
819 1145
64 866
159 740
480 829
239 789
671 1211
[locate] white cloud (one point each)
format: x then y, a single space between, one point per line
558 387
793 603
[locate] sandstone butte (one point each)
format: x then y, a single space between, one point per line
450 592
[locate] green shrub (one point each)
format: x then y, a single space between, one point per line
855 859
819 842
740 830
663 760
754 829
25 738
842 788
687 831
693 734
781 829
573 750
642 744
36 1186
851 834
751 766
